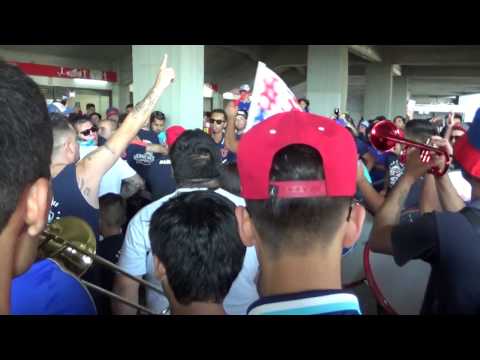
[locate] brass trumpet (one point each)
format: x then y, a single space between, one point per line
71 242
385 135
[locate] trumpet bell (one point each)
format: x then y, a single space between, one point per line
61 240
383 134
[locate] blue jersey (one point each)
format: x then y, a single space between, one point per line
226 155
45 289
68 200
244 106
148 136
139 159
159 177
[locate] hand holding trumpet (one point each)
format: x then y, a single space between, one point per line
422 161
385 135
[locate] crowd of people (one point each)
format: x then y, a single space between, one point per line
223 221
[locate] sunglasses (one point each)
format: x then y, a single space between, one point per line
218 122
87 132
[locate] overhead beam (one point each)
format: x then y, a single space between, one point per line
252 53
432 55
440 72
365 52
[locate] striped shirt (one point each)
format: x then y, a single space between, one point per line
314 302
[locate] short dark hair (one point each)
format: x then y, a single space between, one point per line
25 137
401 118
113 210
61 126
73 117
129 106
293 225
230 178
114 124
95 113
420 130
81 120
458 116
135 203
195 236
219 111
195 158
305 101
157 115
90 105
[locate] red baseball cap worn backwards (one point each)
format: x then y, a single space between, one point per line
334 143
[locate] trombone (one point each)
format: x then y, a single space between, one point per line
71 242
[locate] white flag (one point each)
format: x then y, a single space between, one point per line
270 96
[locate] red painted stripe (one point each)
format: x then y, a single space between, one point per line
64 72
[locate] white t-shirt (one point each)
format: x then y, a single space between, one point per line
136 259
463 187
112 180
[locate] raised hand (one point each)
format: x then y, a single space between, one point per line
439 160
166 75
418 162
231 110
450 122
442 143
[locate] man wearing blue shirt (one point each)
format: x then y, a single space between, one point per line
55 292
218 124
297 174
25 150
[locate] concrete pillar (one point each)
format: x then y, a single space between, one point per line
378 92
123 96
327 78
116 95
120 96
399 96
217 100
121 91
182 102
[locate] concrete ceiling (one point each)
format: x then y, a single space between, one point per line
96 52
431 70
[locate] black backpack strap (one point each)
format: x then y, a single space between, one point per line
473 217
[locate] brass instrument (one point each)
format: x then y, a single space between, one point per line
71 242
385 135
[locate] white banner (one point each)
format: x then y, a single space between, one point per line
270 96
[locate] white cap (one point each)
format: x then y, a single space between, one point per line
245 87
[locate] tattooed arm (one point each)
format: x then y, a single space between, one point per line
91 168
389 214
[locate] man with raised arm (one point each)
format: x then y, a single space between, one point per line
76 183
